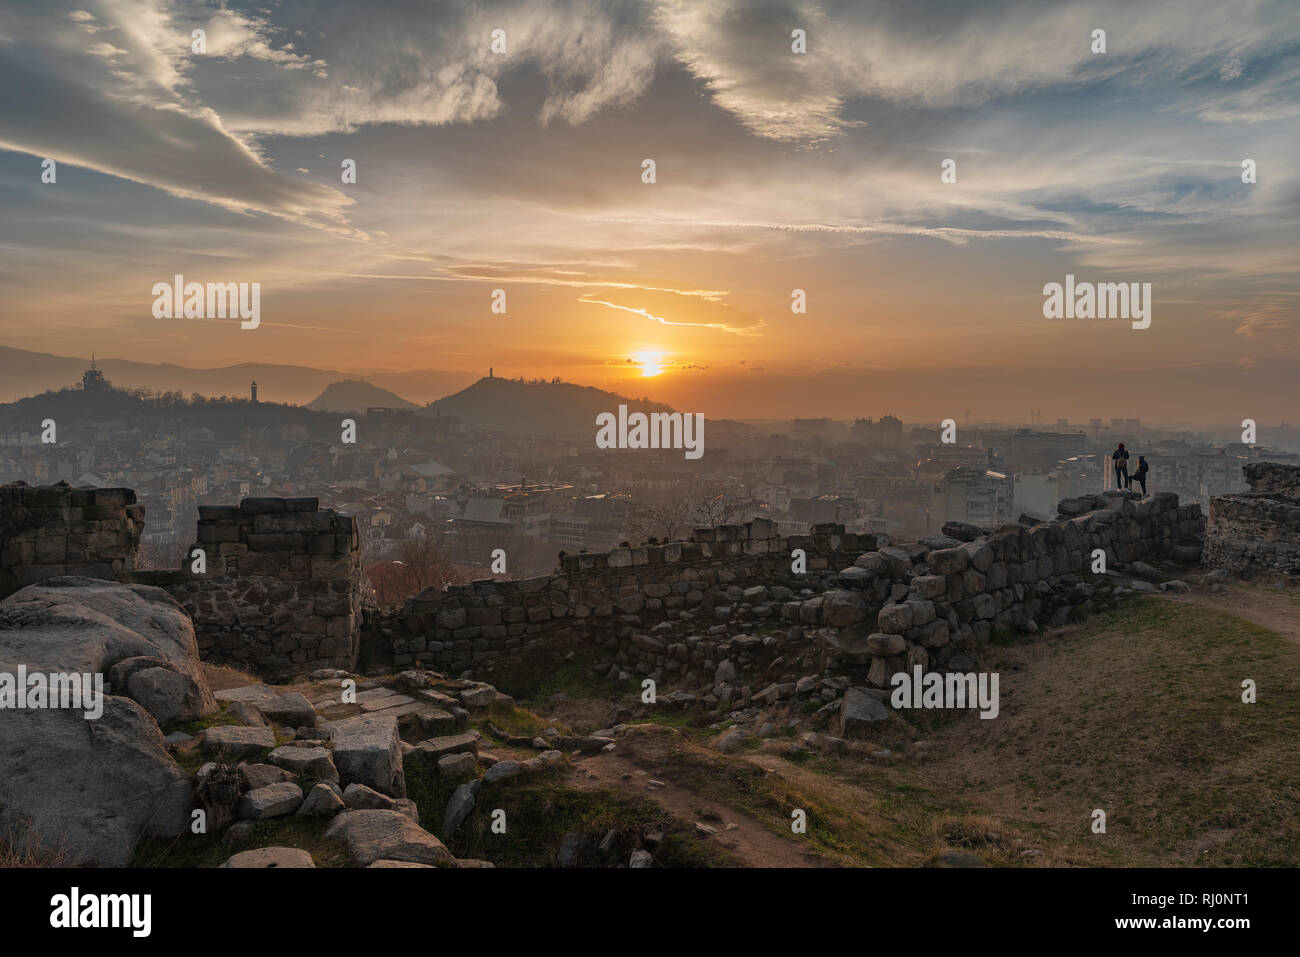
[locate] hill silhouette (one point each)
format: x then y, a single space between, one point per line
538 407
354 395
24 373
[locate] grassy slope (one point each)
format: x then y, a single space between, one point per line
1137 712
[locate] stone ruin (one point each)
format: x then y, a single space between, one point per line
1257 532
52 530
281 592
686 612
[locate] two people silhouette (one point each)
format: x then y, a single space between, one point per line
1122 478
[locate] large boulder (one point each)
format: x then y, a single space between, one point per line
859 711
84 625
90 789
368 750
843 608
166 694
265 857
375 835
93 787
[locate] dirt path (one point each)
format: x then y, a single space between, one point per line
1277 610
749 842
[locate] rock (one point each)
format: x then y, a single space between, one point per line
257 776
1143 570
315 762
255 694
264 857
360 797
452 766
501 771
962 531
571 849
588 744
239 834
859 711
1144 587
1177 585
87 626
274 800
948 561
398 864
732 741
459 806
119 676
166 694
321 801
92 787
842 608
886 645
640 858
247 714
435 748
374 835
97 786
236 740
367 750
291 710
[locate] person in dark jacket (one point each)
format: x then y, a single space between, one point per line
1120 458
1140 476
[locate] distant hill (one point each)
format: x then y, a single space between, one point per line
353 395
24 373
534 408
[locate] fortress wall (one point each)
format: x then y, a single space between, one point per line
52 530
281 592
1257 532
604 597
675 610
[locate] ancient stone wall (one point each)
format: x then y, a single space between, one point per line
281 592
604 597
1273 477
684 609
52 530
1257 532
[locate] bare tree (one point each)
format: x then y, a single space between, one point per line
421 563
720 509
664 523
427 563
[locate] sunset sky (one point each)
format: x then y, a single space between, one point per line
775 171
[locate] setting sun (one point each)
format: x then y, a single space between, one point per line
650 363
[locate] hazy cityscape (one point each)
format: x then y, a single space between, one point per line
415 475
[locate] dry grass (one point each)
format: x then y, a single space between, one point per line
221 677
24 846
1137 712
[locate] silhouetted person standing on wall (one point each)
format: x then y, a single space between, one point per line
1120 458
1140 476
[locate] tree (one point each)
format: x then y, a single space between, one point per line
422 563
665 523
427 563
720 509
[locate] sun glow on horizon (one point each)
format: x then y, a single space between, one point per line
650 363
